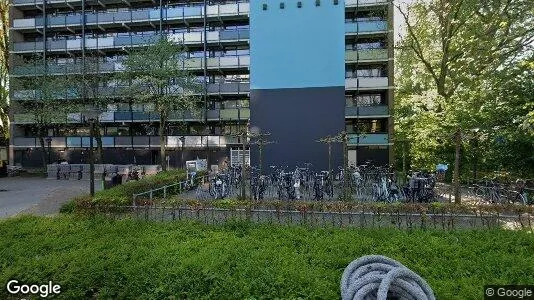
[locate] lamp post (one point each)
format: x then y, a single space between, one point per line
182 140
91 115
49 141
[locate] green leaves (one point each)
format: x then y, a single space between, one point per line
101 258
156 74
466 64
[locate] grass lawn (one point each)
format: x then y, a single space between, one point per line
97 257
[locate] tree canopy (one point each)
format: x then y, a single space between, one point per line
467 66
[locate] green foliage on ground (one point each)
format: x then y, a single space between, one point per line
106 259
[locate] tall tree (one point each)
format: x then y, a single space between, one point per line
156 75
88 87
46 95
456 46
4 66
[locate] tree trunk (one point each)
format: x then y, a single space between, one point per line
243 172
456 174
161 132
43 147
475 160
99 147
346 192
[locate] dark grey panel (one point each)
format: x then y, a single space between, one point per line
372 155
296 119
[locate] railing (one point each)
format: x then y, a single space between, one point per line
227 88
376 110
366 55
171 141
139 116
224 62
188 38
368 139
367 83
359 217
359 3
167 190
139 15
366 27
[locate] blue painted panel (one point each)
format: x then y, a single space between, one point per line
74 141
108 141
154 14
174 12
91 18
86 140
297 47
368 139
192 11
126 116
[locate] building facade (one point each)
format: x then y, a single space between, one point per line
241 58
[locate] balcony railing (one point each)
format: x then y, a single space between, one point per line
191 141
367 111
223 88
140 116
366 27
226 62
366 83
188 38
362 3
366 55
368 139
185 13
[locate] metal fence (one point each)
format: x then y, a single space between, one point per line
349 219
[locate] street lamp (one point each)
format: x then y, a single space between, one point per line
91 115
49 141
182 139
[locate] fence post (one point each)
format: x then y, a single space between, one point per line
164 192
151 191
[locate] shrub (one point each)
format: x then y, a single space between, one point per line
122 194
99 258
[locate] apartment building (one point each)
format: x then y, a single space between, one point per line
245 62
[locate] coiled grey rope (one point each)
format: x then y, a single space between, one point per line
378 277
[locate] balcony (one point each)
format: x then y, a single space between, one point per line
119 42
234 114
213 63
368 55
366 27
223 88
367 111
144 116
170 15
367 139
191 141
364 3
366 83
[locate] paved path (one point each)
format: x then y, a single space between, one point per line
37 195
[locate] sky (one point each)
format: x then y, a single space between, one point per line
397 18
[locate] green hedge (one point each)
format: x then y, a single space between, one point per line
122 194
105 259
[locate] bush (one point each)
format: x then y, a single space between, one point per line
95 257
122 194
